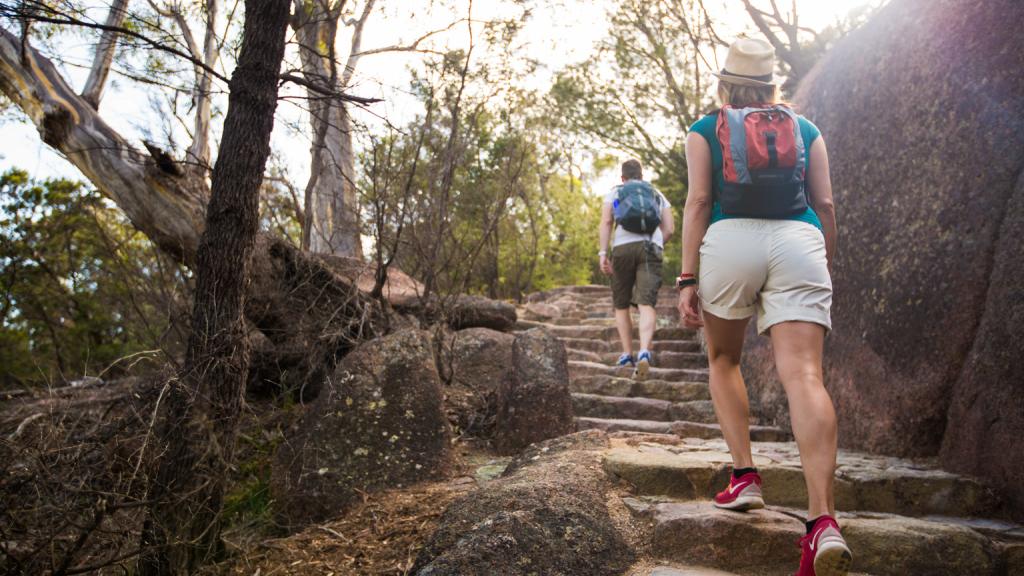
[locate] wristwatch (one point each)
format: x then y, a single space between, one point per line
602 253
685 280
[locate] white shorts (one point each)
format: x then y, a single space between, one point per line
774 268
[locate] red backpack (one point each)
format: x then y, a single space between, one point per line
763 162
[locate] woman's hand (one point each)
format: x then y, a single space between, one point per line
689 308
606 265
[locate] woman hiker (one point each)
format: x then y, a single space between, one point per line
760 228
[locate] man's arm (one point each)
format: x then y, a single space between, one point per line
668 223
605 231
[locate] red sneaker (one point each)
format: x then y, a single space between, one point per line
823 551
743 493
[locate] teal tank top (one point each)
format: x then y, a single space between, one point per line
706 128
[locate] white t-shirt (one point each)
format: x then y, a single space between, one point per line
623 236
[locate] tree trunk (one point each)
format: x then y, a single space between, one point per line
197 431
332 205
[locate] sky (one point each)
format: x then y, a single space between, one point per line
559 33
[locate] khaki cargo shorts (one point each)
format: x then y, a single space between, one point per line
773 268
636 274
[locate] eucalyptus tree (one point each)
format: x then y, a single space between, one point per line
332 224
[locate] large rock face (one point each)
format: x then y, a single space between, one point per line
921 109
378 422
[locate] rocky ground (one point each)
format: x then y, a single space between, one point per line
899 516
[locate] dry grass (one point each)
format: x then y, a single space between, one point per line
380 536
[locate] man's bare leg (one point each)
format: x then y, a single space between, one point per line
625 326
643 359
648 319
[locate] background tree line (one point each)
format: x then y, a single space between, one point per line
486 190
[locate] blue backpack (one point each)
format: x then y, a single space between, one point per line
638 207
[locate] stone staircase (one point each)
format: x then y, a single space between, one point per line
900 517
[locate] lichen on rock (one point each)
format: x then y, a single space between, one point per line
378 422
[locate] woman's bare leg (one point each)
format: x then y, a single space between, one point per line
728 392
799 347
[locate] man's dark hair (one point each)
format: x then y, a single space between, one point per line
631 170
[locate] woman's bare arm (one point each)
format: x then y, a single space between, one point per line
696 216
820 184
697 212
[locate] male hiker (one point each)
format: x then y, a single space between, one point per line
643 219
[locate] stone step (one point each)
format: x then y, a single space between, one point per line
763 541
658 389
590 332
693 360
588 344
572 320
580 368
678 428
658 346
621 407
608 333
597 321
584 355
595 406
668 359
698 469
619 425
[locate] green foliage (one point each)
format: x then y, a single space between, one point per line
505 221
642 87
479 194
79 288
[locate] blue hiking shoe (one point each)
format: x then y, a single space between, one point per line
626 360
643 364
